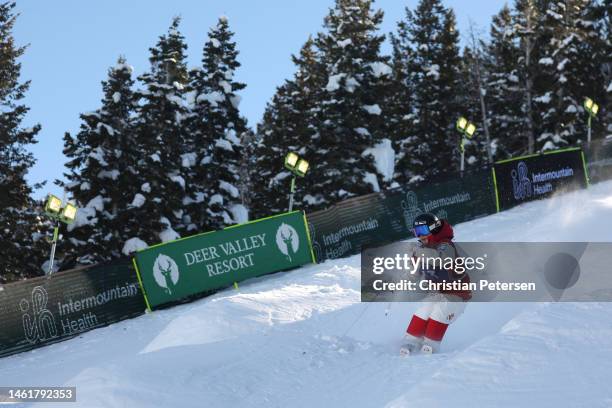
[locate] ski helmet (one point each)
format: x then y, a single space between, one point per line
425 224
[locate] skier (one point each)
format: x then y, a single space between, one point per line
430 321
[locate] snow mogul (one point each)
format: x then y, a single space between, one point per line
442 307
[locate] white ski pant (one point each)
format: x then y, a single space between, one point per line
430 321
441 308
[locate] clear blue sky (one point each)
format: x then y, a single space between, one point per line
74 42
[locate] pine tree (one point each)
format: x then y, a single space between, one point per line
270 179
352 104
430 145
102 168
569 66
475 62
246 186
606 66
290 124
18 222
217 129
400 101
474 106
504 90
161 136
527 19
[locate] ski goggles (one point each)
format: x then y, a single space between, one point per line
421 230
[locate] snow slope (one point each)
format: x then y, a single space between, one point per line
302 339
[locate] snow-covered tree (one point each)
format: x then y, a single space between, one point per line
429 144
606 66
569 67
161 136
400 101
18 223
350 158
527 19
290 124
216 128
103 167
479 149
474 104
504 90
270 179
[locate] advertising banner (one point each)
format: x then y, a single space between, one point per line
44 310
350 225
214 260
379 218
457 200
539 176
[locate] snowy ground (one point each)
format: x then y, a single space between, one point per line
302 339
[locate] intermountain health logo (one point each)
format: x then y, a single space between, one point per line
411 209
521 185
166 272
287 240
38 321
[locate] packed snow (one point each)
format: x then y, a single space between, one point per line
344 43
372 109
132 245
384 158
333 82
240 213
380 69
188 159
224 144
433 71
371 179
138 200
230 188
303 339
168 235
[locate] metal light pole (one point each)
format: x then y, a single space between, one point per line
53 246
298 167
592 108
58 212
467 130
462 148
292 192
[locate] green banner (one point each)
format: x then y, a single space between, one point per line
214 260
457 199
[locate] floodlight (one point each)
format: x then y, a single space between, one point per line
592 108
462 124
298 167
53 205
291 160
470 130
301 168
69 214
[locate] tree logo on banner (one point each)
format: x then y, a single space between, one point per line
521 185
410 207
287 240
166 272
38 323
